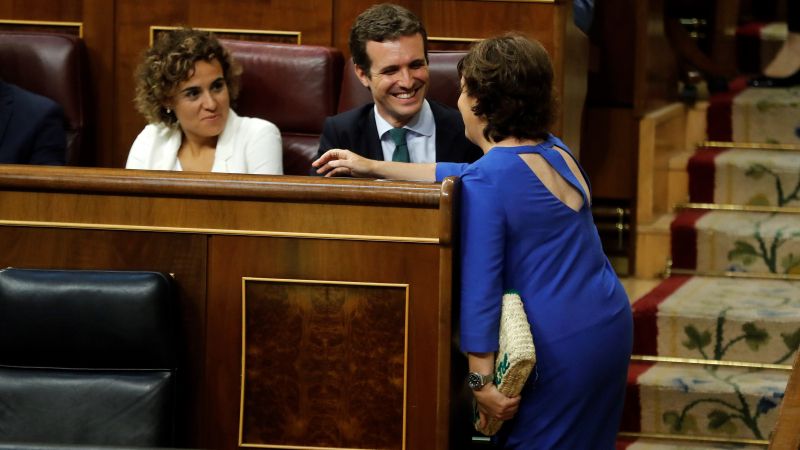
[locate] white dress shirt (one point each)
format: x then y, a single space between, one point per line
420 137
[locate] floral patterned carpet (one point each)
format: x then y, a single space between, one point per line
744 176
712 351
767 115
764 115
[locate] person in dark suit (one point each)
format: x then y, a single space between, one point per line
390 54
31 128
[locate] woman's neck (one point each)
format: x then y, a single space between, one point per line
197 155
197 145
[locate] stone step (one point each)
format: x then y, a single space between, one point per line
755 115
719 318
766 115
697 401
738 241
743 176
667 444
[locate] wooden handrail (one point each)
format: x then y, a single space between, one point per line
188 184
787 432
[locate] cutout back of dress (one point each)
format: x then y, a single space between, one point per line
574 193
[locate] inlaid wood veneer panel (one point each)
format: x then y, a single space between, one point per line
324 364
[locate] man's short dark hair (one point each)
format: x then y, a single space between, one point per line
379 23
511 79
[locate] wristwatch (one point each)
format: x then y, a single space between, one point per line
476 381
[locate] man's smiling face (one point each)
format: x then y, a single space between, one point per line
398 77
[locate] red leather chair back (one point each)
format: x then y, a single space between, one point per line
55 66
443 86
293 86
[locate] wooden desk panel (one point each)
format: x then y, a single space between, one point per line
212 231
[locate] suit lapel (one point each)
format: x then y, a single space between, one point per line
372 140
6 106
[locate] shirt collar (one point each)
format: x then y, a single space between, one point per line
422 124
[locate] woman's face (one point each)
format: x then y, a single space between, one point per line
201 103
473 125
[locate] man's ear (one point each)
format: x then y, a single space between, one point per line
362 75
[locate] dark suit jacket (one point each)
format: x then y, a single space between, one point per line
355 130
31 128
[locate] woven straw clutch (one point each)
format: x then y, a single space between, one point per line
515 357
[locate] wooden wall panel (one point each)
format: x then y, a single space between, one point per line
545 22
610 158
62 10
345 13
313 350
232 258
99 37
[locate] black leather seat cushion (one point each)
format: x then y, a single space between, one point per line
96 407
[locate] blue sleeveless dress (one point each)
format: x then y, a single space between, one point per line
515 234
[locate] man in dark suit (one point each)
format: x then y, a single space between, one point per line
31 128
390 53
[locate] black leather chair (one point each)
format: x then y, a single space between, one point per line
293 86
87 358
55 66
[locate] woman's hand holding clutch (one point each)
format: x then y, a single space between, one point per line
491 403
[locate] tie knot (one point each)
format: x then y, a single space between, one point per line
398 136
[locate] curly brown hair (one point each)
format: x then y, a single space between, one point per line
379 23
169 62
511 79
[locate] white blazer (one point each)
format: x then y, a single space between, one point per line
246 145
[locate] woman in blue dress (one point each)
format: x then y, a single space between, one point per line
527 225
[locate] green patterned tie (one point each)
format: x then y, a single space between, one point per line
401 149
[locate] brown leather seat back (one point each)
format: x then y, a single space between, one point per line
443 86
293 86
53 65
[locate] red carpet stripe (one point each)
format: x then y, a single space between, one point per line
631 416
684 239
719 116
623 443
702 170
645 315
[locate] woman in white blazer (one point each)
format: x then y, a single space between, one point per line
184 88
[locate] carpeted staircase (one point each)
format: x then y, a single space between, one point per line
715 340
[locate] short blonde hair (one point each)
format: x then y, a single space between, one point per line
169 62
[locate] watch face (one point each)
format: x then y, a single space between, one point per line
474 380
